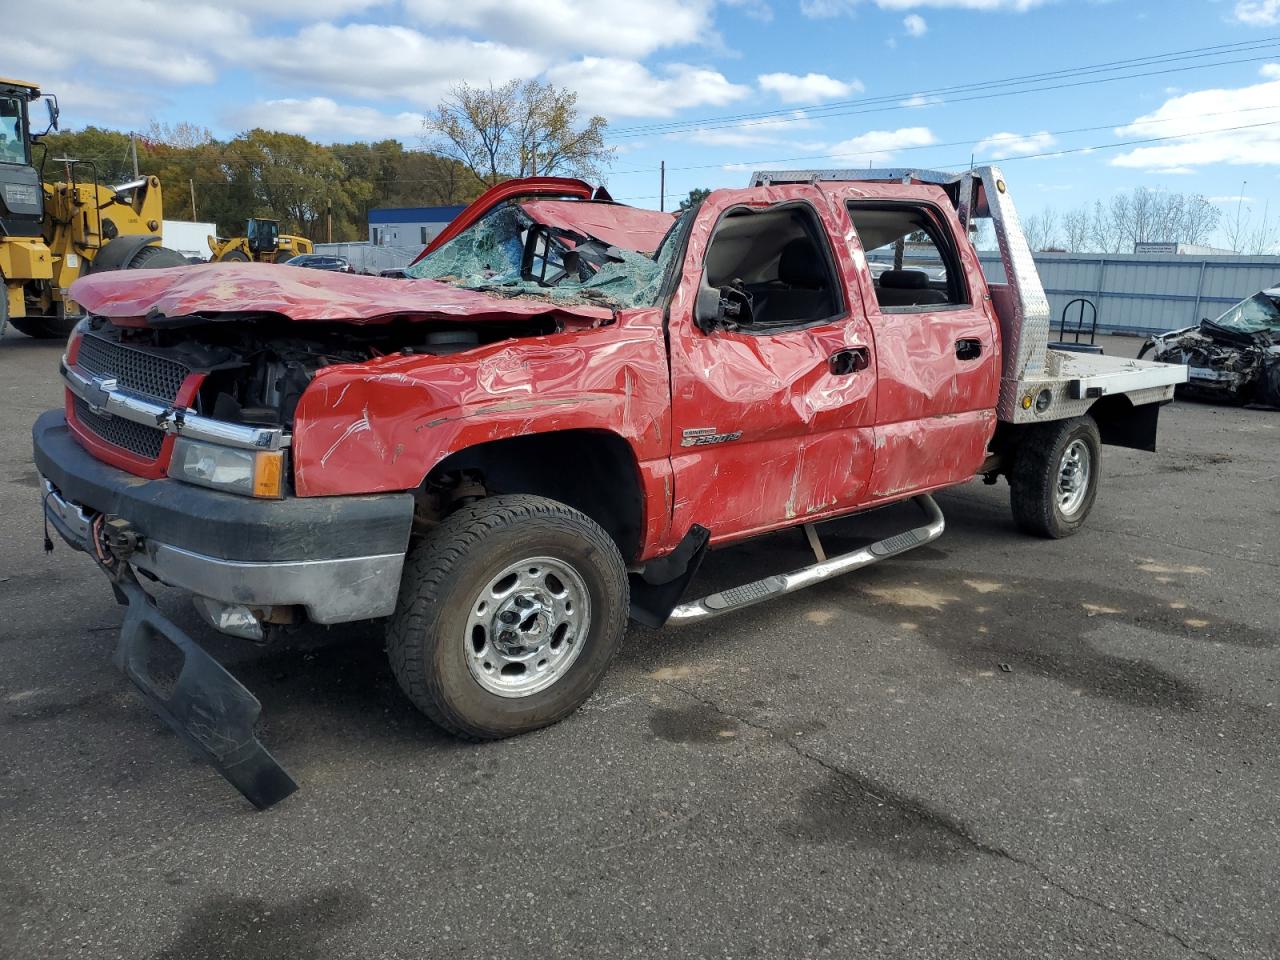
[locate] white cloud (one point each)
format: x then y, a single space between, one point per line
1185 118
820 9
625 88
755 9
178 45
1232 198
1258 13
918 100
376 62
321 118
811 88
632 29
751 133
303 9
1270 71
878 146
1001 146
915 25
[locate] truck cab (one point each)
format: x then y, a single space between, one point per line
542 431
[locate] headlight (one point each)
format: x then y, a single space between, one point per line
250 473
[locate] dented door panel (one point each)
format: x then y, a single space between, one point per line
764 433
936 399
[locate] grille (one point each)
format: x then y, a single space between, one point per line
156 377
135 437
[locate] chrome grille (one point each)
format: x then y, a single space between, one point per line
135 437
136 371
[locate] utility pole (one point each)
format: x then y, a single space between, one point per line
133 149
328 217
662 186
192 182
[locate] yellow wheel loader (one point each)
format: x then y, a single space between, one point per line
53 233
262 243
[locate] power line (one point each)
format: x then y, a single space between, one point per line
964 161
973 140
835 108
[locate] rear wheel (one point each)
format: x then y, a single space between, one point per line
153 258
1055 477
508 616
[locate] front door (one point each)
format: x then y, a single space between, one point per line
772 421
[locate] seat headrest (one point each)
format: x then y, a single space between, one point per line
904 279
801 266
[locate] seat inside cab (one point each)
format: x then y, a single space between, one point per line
781 258
911 266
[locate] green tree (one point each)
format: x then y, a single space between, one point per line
695 197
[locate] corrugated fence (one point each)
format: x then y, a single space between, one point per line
1145 293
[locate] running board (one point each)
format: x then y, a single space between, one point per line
736 598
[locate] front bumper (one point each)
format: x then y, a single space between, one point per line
340 558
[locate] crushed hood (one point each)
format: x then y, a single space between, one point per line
300 294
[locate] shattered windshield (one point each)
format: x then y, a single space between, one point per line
505 252
1259 314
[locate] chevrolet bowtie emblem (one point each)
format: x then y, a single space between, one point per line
97 391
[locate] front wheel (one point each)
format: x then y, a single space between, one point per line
1055 477
508 616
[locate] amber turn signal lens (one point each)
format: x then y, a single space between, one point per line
268 474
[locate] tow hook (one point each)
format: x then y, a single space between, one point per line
120 537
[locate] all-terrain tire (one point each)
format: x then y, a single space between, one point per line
1040 476
445 578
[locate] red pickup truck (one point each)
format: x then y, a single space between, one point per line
543 432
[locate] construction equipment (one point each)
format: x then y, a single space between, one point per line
53 233
262 243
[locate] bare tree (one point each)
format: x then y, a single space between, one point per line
1041 229
1075 229
1251 238
520 129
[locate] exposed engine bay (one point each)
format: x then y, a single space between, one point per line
1234 358
256 369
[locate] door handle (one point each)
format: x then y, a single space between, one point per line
968 348
849 360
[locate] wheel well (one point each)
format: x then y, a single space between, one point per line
593 471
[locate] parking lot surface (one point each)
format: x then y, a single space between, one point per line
994 746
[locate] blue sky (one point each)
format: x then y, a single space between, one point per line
363 69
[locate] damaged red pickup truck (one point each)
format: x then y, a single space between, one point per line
545 431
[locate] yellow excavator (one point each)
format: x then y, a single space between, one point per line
53 233
262 243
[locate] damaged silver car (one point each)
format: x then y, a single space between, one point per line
1234 358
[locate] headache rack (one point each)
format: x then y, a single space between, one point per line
1074 381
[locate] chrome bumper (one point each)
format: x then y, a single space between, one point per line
331 590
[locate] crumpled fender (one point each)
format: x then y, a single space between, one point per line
382 425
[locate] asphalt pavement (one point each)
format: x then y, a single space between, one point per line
994 746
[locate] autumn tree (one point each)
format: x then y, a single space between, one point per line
520 129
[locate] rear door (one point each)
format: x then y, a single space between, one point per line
936 337
772 421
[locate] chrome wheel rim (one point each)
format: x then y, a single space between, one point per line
1074 472
527 626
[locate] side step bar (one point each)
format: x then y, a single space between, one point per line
736 598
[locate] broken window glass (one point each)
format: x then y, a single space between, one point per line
505 252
